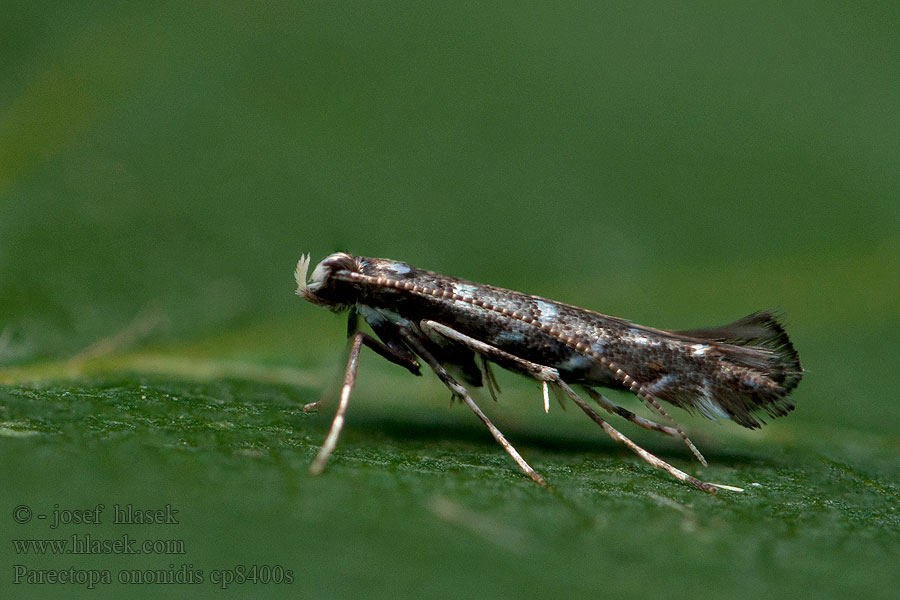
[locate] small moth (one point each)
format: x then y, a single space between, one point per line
732 372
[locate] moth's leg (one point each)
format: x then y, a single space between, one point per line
411 365
405 360
546 374
502 358
560 399
359 339
506 360
338 423
649 458
638 390
458 390
489 379
397 354
604 402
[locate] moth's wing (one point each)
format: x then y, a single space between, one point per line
758 341
752 370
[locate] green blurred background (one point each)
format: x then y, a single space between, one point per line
164 165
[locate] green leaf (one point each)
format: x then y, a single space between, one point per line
162 168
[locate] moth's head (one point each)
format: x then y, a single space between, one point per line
323 288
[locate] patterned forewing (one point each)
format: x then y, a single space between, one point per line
696 374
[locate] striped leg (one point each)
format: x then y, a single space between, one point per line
459 391
615 409
337 424
549 374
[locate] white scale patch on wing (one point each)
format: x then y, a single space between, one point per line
547 313
513 337
398 268
576 362
465 290
660 384
636 336
704 402
708 405
699 349
598 346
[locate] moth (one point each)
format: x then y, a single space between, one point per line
738 372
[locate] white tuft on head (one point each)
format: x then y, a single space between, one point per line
300 275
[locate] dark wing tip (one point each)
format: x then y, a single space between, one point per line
760 330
